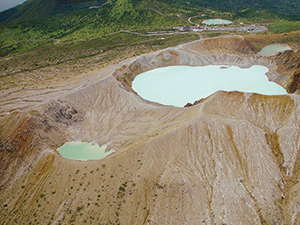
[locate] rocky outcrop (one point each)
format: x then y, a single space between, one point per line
294 82
232 158
61 112
288 60
288 63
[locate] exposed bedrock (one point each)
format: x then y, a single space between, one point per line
233 158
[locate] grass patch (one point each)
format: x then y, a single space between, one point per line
284 26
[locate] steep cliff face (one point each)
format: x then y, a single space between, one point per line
233 158
288 63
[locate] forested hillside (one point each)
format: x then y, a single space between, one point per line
39 23
138 10
33 9
286 8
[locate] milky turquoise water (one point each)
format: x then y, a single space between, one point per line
271 50
83 151
178 85
216 21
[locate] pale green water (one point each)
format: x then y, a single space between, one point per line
271 50
83 151
178 85
216 21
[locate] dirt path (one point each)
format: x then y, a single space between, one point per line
149 35
193 22
199 35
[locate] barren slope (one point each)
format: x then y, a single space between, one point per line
233 158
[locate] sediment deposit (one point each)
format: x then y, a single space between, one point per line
232 158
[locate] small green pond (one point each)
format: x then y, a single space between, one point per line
271 50
83 151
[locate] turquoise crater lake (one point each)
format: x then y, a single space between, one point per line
178 85
216 22
83 151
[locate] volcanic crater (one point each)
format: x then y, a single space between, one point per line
231 158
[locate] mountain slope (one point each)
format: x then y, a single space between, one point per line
33 9
285 8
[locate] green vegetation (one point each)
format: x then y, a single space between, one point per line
257 16
84 24
72 38
284 26
285 8
100 47
32 28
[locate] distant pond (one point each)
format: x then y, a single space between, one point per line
216 21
